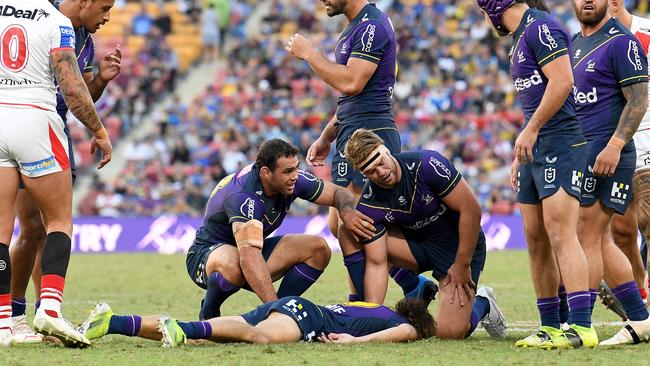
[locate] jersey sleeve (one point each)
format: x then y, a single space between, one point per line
439 173
308 186
378 222
62 35
88 63
370 42
242 207
629 61
547 41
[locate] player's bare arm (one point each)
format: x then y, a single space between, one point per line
109 67
463 201
360 225
560 81
249 238
319 150
349 79
400 333
75 93
631 116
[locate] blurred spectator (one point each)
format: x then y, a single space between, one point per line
210 33
163 22
142 22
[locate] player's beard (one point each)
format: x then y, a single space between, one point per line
592 19
336 7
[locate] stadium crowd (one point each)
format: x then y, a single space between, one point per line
447 97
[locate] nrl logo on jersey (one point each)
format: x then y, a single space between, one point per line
10 11
591 66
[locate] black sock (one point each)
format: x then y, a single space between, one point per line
5 269
219 289
56 254
356 264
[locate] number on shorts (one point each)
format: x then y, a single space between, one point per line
14 50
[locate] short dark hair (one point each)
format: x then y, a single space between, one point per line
416 313
536 4
271 151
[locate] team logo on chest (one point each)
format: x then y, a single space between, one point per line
577 54
520 56
591 66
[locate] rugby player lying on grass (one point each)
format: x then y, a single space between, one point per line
290 319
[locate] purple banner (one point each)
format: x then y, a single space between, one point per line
172 234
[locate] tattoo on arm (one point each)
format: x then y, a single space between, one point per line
74 90
633 112
343 199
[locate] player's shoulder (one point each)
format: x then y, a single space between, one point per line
615 29
537 21
370 14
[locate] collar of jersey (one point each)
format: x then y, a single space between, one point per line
391 193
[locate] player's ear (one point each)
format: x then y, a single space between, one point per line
265 171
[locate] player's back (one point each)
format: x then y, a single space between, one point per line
30 30
360 318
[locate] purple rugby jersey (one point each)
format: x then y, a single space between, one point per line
239 197
415 204
369 36
360 318
603 63
538 40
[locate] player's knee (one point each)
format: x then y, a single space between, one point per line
230 269
32 231
259 337
321 252
451 330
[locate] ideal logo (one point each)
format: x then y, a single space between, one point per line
525 83
410 166
10 11
633 55
591 66
546 32
585 98
619 190
551 160
576 179
549 175
612 30
520 56
529 19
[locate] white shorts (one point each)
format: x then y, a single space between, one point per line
33 141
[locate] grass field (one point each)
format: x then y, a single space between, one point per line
157 284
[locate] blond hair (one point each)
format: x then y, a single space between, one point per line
360 145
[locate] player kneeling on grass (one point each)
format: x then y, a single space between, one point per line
233 247
426 218
289 319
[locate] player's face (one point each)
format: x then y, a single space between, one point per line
590 12
334 7
95 13
284 177
384 174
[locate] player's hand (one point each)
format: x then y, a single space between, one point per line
111 65
514 175
300 46
607 161
524 145
336 338
318 152
460 278
360 225
102 142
